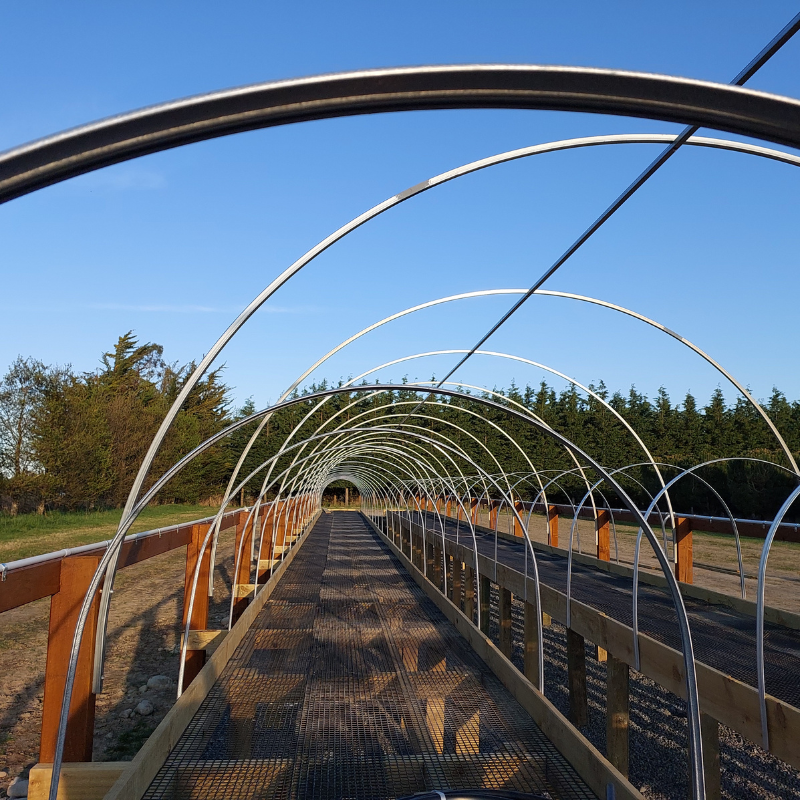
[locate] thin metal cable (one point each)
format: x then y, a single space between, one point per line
762 58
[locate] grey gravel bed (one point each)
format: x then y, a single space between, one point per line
658 731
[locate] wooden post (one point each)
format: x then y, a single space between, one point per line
603 554
196 659
576 666
484 593
617 713
603 535
530 645
469 593
552 516
519 506
266 553
437 568
65 605
683 541
456 582
280 535
506 631
244 546
473 506
494 506
709 734
347 497
449 566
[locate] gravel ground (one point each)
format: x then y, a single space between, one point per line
658 729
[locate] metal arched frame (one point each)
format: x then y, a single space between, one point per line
759 588
66 155
538 365
372 411
695 743
502 158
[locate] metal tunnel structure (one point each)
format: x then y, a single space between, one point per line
436 500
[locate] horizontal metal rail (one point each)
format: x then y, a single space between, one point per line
757 528
28 579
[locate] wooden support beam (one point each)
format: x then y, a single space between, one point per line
65 605
683 542
428 560
196 659
530 645
709 734
78 781
265 567
456 582
519 506
448 566
552 517
484 594
243 545
493 509
506 642
617 713
603 535
576 667
437 567
267 551
206 640
469 593
245 591
23 586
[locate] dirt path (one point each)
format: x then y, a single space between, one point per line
144 633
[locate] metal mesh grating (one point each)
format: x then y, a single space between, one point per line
351 684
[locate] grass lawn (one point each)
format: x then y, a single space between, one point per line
31 534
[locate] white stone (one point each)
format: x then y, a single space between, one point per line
145 708
18 788
159 682
127 713
143 688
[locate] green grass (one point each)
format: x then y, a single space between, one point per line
129 742
31 534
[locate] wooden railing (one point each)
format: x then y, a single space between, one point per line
722 698
64 577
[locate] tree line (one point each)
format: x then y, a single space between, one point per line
73 440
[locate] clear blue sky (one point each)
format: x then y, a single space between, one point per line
174 245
